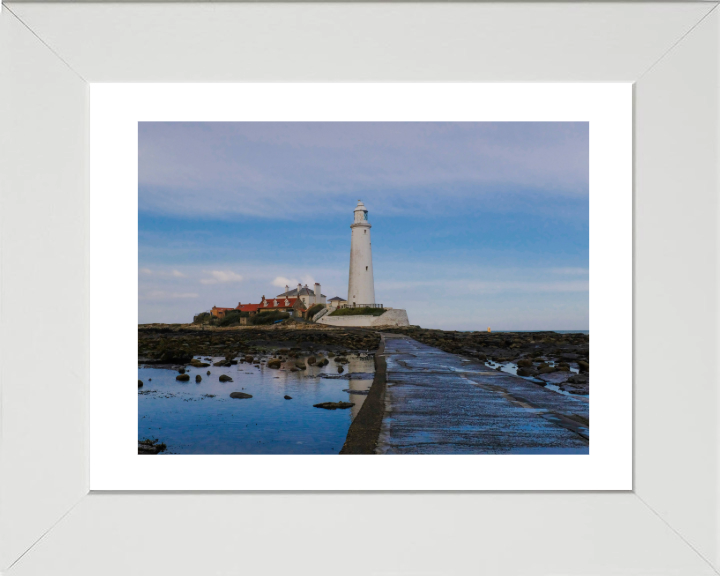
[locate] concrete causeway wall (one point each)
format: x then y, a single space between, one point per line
394 317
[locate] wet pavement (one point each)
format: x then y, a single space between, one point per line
441 403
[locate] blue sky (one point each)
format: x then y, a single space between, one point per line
474 224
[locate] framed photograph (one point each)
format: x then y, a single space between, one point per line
543 174
192 191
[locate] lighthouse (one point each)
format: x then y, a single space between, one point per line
361 286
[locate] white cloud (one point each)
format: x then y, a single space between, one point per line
281 282
221 276
178 274
146 270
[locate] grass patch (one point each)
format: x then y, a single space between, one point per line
232 317
358 312
263 318
314 310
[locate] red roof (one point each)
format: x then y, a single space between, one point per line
278 302
248 307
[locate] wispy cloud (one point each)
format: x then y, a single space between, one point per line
163 295
221 169
221 276
145 271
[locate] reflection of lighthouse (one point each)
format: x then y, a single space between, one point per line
361 287
354 366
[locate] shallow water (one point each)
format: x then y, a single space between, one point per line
512 368
201 418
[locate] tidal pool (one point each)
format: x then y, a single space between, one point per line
201 418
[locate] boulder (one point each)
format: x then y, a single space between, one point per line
198 364
140 383
524 363
208 372
274 363
300 364
584 366
526 372
341 369
181 370
311 360
287 397
240 395
182 377
225 378
198 378
334 405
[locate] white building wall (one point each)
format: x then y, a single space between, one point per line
394 317
361 286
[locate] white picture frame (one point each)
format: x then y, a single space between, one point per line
50 523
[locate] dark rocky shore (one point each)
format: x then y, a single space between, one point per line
177 344
547 357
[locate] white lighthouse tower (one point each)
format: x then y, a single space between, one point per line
361 287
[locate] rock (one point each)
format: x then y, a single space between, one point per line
208 372
240 395
149 379
546 369
287 397
579 379
311 360
150 447
584 366
294 370
225 378
331 355
341 360
334 405
181 370
526 372
274 363
248 359
300 364
524 363
341 369
175 357
182 377
360 392
198 378
198 364
140 383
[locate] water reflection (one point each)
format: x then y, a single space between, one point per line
201 418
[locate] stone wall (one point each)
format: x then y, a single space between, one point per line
394 317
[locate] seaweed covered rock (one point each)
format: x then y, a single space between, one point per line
182 377
240 395
225 378
334 405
